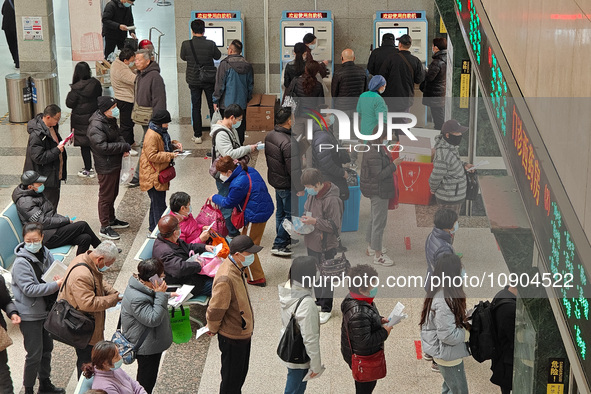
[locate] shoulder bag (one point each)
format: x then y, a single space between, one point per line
206 74
5 339
140 114
66 323
367 368
167 174
291 348
127 350
238 214
212 169
289 97
338 265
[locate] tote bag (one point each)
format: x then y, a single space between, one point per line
180 324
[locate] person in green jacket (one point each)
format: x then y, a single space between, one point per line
369 107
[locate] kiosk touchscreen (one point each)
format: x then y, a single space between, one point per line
294 25
222 27
413 23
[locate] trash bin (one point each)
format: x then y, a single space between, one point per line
45 91
18 92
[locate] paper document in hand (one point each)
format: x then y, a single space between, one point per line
307 377
184 293
396 315
201 331
56 269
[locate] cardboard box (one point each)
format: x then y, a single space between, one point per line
260 113
103 72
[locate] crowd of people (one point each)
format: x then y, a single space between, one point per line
103 128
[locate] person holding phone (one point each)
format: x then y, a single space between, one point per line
145 307
191 231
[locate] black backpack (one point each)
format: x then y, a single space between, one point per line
483 335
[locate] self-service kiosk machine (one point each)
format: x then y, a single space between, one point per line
222 27
413 23
294 25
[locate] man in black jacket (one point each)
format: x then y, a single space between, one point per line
9 27
117 18
284 173
434 89
58 230
198 51
504 306
108 148
379 55
329 159
46 153
348 82
402 71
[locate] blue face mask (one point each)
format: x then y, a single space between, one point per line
190 209
33 247
463 273
115 112
127 5
238 124
40 189
311 191
373 292
456 227
248 260
103 269
117 364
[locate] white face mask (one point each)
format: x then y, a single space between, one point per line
223 177
382 90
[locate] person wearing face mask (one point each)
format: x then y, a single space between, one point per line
158 153
311 42
123 83
108 148
245 182
105 369
323 209
33 206
363 331
191 231
145 308
117 18
448 179
46 153
296 67
175 255
87 291
33 298
230 314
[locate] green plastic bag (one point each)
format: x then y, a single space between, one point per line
181 325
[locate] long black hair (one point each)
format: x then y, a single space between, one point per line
81 72
300 64
449 266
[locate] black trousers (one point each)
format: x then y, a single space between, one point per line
147 370
125 123
86 157
84 356
77 233
5 380
242 129
235 358
438 115
12 40
324 295
53 195
196 116
111 43
365 387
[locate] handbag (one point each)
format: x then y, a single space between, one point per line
5 339
209 214
289 98
139 114
472 185
335 266
127 350
367 368
181 325
238 215
291 347
209 265
167 174
205 74
216 240
67 324
212 169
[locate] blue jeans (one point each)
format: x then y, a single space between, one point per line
196 116
283 198
454 379
157 206
294 384
223 190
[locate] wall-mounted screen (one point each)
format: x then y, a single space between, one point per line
215 34
293 35
397 31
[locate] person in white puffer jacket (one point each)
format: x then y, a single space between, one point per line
302 272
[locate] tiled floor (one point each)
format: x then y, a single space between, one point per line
194 367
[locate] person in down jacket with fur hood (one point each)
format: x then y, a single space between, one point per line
259 207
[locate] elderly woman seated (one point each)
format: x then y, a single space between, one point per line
175 254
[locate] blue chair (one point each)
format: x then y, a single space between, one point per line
9 242
11 214
83 385
145 251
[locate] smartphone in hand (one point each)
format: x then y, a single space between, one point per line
156 280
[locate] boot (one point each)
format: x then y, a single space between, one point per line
46 387
29 390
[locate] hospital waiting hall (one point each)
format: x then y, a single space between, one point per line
320 196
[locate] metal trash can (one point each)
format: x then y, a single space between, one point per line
18 92
45 91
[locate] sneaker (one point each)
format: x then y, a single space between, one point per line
46 387
324 317
281 252
133 183
109 233
435 367
197 140
370 252
133 152
258 282
118 224
427 357
293 243
383 260
86 174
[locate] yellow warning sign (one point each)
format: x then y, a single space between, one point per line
465 84
442 28
555 389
